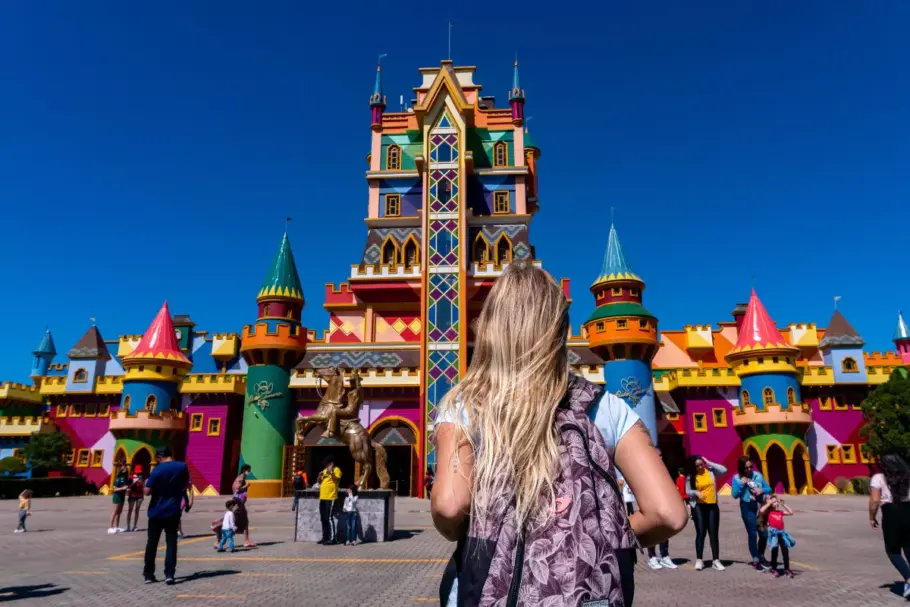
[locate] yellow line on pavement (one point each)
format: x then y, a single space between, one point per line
211 596
294 559
805 566
121 557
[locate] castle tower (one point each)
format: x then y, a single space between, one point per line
150 413
624 333
770 411
272 348
842 349
517 98
43 356
88 360
377 101
902 338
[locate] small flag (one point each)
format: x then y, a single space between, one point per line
836 299
93 320
288 218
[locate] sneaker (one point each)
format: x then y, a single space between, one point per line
119 530
717 565
169 581
906 590
150 580
789 574
111 531
18 531
775 573
653 563
765 565
180 534
699 565
667 562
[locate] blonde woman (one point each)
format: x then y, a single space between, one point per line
504 437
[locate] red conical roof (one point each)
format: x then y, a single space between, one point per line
159 342
758 331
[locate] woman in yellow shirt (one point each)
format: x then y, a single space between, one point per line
701 486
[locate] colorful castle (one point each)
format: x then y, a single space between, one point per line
452 187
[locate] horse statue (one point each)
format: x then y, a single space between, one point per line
342 422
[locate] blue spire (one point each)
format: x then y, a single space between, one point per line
376 98
516 94
615 266
47 345
901 332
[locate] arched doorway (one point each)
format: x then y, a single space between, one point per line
754 457
399 438
142 460
776 462
802 471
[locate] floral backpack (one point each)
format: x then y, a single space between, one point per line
583 555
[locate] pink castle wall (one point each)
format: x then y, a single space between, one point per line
89 433
834 427
720 445
206 455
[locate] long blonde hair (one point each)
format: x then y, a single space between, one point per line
517 377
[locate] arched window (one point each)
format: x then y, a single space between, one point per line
501 154
265 310
175 404
80 377
503 250
791 396
150 402
389 252
745 398
409 255
126 403
768 396
481 250
393 158
849 365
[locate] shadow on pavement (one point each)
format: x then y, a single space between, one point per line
15 593
201 575
403 534
895 588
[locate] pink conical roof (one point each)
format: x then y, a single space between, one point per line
159 341
758 331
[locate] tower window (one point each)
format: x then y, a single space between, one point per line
196 422
82 459
744 397
503 250
500 202
599 326
501 154
266 311
720 417
97 458
76 410
409 255
849 365
833 453
393 158
622 324
126 403
633 292
80 377
214 428
791 396
389 252
644 324
104 410
392 205
481 250
848 454
150 402
616 291
699 422
768 396
175 404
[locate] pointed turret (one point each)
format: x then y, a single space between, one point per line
842 350
902 338
158 344
840 333
90 345
624 333
517 98
282 281
759 334
43 355
377 101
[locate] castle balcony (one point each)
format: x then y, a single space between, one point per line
714 377
11 391
214 383
109 385
167 421
54 385
803 335
26 426
750 415
283 337
387 272
225 345
699 337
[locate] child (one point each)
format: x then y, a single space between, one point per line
228 526
134 499
771 515
25 509
350 516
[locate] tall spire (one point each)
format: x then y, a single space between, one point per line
159 341
47 344
901 332
758 331
282 280
517 98
376 99
516 92
615 266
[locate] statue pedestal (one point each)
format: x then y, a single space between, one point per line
376 523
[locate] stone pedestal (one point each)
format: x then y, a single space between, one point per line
376 522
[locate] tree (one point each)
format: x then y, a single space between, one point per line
887 413
12 465
46 451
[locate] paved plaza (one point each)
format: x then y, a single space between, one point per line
67 558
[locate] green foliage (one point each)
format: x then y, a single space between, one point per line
46 451
12 465
860 485
842 484
887 413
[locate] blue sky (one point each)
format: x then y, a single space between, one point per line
152 151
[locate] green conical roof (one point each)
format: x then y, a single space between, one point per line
282 279
46 346
615 266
